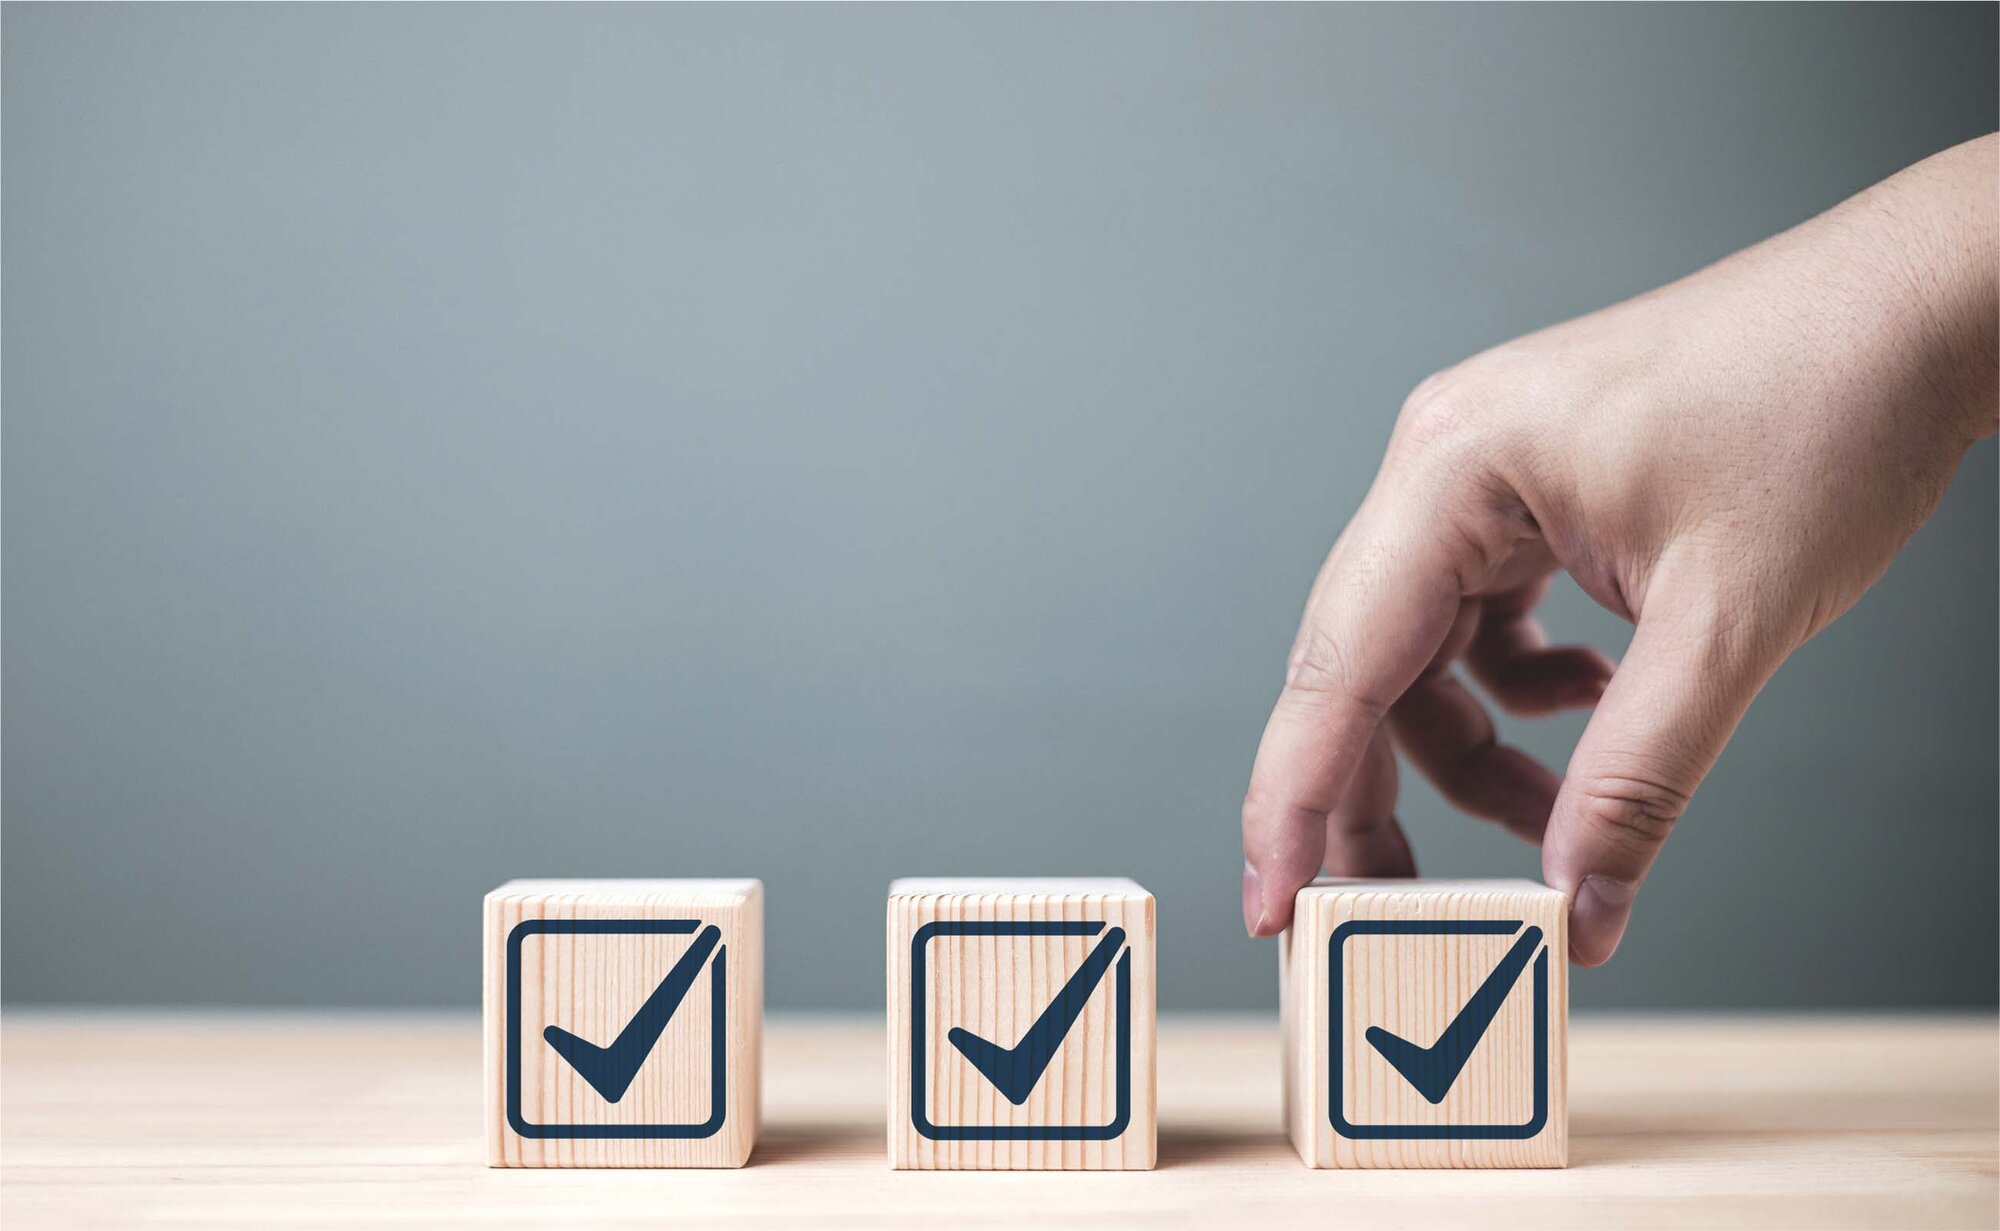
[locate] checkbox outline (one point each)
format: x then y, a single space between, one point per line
718 1030
1122 992
1335 1017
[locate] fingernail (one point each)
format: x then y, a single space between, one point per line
1597 919
1253 900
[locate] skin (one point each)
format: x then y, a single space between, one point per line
1729 462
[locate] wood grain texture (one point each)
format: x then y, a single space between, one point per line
592 984
1414 986
996 987
277 1122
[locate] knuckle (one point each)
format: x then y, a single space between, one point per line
1479 548
1256 806
1461 793
1440 410
1270 814
1318 675
1517 693
1466 793
1452 455
1635 813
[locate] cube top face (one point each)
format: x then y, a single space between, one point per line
1021 1024
1426 1024
643 893
1056 887
623 1022
1349 886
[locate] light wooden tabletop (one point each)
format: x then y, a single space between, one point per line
339 1120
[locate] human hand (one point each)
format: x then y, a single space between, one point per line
1728 462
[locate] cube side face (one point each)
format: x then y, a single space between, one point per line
1428 1029
624 1024
1296 1013
1021 1031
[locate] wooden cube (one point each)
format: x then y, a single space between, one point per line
1021 1025
624 1022
1426 1024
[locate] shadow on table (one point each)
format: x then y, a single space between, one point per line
793 1143
1180 1145
1183 1145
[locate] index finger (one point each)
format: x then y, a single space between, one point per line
1384 603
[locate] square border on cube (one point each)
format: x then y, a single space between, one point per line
718 1030
1336 1056
1122 1029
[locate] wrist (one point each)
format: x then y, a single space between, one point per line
1949 258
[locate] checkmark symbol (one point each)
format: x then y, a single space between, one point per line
610 1070
1433 1069
1015 1070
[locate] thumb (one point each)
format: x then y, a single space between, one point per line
1673 703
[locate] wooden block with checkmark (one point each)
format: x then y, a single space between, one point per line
624 1022
1021 1025
1426 1024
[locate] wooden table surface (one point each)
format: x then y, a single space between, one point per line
339 1120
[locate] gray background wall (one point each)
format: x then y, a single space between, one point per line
451 443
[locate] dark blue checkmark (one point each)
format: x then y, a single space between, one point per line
1433 1069
610 1070
1015 1070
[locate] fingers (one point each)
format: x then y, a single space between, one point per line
1691 671
1449 737
1362 836
1541 682
1511 658
1380 611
